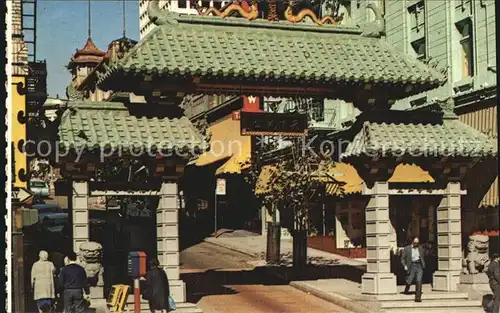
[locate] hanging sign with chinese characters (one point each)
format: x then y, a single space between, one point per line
273 124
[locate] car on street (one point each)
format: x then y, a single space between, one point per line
37 200
46 210
55 222
39 187
54 231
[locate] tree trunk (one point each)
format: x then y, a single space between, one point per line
299 250
273 243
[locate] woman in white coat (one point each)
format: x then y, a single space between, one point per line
42 281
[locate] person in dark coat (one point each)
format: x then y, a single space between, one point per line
413 260
493 273
157 288
73 281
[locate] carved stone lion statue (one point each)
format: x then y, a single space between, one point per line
477 258
90 260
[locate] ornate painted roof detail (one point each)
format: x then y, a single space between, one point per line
88 54
235 49
96 125
297 18
250 12
450 138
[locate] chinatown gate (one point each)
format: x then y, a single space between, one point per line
187 55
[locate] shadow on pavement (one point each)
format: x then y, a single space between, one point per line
218 282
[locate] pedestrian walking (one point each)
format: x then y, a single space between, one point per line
413 260
73 281
43 281
493 273
157 289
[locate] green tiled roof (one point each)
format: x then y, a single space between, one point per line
450 138
96 125
233 48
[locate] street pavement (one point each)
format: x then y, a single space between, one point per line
206 256
267 299
220 280
256 246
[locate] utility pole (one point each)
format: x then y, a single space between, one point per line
18 288
20 196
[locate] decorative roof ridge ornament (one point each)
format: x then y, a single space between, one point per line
447 107
375 28
436 65
249 12
159 16
329 19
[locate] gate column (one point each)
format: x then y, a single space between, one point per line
449 240
378 278
167 223
80 213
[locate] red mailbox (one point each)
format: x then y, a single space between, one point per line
136 264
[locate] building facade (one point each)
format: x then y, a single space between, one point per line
459 39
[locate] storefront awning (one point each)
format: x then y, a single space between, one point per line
347 178
226 142
264 181
353 183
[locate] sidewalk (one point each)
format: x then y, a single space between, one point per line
337 291
255 246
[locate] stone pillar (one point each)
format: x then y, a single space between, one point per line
449 240
80 214
378 278
167 223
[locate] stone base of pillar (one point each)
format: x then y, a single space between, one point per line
97 297
378 283
177 290
97 292
445 281
476 283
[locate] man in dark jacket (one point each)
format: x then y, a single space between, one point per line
73 280
493 273
413 260
157 288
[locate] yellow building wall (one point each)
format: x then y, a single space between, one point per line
18 129
483 119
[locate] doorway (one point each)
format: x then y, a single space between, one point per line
126 224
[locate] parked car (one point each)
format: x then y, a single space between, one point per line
39 187
45 210
55 231
37 200
55 222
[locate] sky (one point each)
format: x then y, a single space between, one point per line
62 27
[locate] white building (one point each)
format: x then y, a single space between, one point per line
178 6
51 106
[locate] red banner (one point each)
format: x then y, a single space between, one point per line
251 104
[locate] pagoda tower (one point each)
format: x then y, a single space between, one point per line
84 61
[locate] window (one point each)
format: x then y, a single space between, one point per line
419 48
182 4
464 28
417 17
